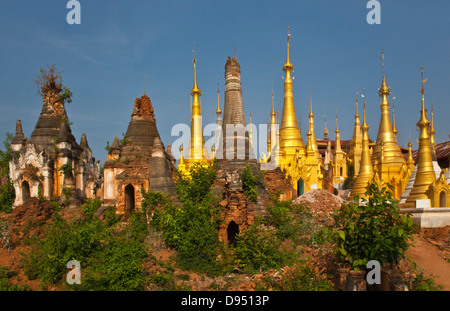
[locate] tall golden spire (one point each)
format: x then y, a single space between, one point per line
366 172
410 162
181 163
425 174
387 157
218 110
273 114
312 142
290 135
196 150
337 146
394 129
432 131
354 155
325 130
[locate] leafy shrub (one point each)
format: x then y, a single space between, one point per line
62 242
111 217
7 197
258 249
374 231
7 192
423 283
5 284
293 222
191 227
302 277
90 207
249 182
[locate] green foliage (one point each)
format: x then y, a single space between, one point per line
249 182
109 260
90 207
423 283
374 231
7 197
66 169
6 155
5 285
197 187
63 242
258 248
302 277
7 192
111 217
108 147
191 227
293 222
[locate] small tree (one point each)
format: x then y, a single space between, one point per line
374 231
49 80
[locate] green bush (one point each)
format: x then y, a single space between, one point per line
373 231
249 182
63 241
258 248
293 222
109 260
191 227
7 197
7 192
90 207
302 277
5 285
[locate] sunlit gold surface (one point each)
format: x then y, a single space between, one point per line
387 157
196 150
366 171
354 155
425 173
290 136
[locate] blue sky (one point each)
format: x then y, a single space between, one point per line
334 50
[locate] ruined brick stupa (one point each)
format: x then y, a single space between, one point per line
238 211
138 161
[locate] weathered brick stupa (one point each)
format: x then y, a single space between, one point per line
239 212
51 162
138 161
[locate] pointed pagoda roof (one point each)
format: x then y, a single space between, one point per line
142 129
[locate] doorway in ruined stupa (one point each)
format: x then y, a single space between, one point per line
300 187
232 232
25 191
129 199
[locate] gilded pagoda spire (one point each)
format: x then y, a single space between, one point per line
337 147
366 172
196 149
312 142
432 131
325 130
218 110
387 157
410 162
290 135
272 126
425 174
354 155
394 129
